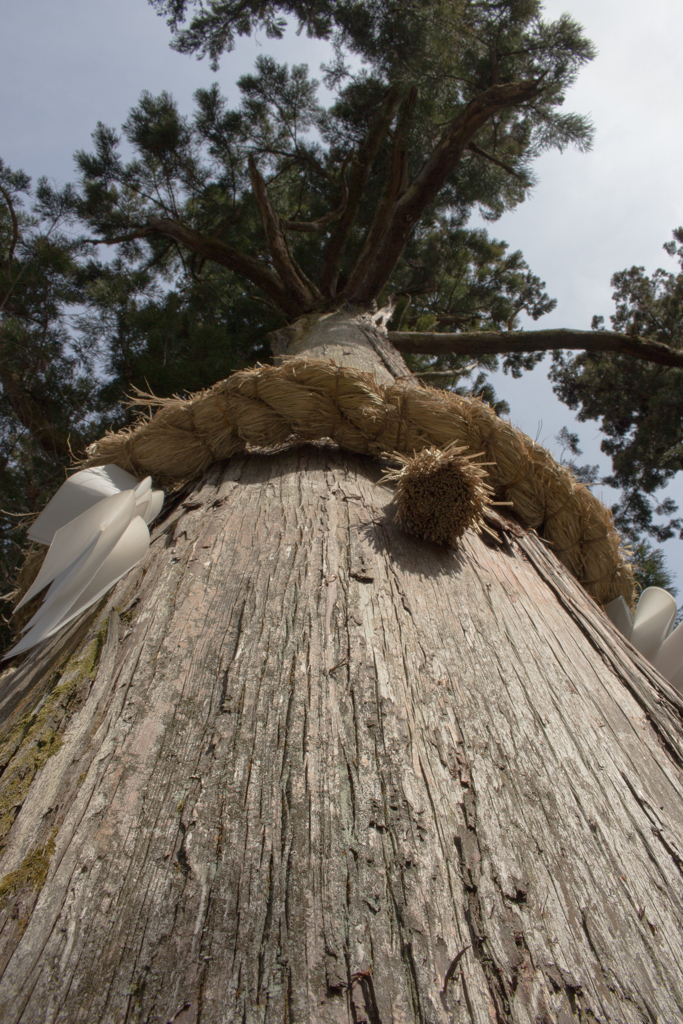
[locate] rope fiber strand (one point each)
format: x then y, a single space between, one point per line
308 399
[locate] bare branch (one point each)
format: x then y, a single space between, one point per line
142 232
459 371
426 186
358 179
458 318
475 343
301 290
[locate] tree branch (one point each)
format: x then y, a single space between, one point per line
142 232
474 148
395 186
15 226
360 175
322 222
426 186
301 290
228 256
476 343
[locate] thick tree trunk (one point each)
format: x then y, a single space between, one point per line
301 767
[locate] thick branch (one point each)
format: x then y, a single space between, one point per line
497 343
361 168
428 183
227 256
303 291
397 182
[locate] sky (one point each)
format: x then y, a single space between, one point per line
65 66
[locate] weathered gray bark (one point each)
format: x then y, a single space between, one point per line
301 767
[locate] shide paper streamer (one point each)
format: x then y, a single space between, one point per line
96 526
651 631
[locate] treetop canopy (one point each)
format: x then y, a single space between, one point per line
443 109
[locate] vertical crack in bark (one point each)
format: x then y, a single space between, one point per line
657 829
363 1001
470 856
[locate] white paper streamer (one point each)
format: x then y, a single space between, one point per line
650 631
107 519
620 614
96 525
652 622
80 492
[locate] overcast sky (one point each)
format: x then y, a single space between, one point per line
64 66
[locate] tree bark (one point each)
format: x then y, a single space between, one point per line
302 767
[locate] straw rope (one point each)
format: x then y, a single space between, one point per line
309 399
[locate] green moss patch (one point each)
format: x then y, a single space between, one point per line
38 735
30 875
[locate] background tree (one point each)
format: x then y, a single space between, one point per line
47 393
638 404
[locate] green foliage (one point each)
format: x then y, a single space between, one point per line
469 282
639 405
650 569
440 56
587 474
169 341
434 36
47 394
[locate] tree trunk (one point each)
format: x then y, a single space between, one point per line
302 767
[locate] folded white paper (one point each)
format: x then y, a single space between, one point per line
655 613
130 548
96 525
78 493
105 520
620 614
149 505
650 631
669 658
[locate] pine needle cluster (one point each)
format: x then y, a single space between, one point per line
440 493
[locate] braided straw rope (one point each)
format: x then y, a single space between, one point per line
309 399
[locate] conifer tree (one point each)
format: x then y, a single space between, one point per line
299 765
639 405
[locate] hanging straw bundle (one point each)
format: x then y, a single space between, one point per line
310 399
440 494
